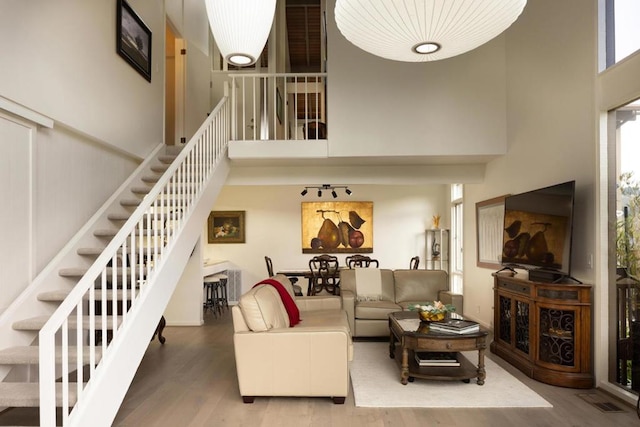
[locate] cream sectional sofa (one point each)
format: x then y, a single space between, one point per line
368 310
309 359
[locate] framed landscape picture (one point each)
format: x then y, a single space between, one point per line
133 39
226 227
337 227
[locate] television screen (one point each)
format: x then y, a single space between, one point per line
538 228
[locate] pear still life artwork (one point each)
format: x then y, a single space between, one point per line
337 227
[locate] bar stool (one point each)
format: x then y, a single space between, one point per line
223 301
211 288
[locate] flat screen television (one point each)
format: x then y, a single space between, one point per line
538 228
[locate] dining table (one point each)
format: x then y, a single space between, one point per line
305 273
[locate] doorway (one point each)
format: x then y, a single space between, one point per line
174 87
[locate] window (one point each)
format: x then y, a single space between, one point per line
456 238
623 29
627 241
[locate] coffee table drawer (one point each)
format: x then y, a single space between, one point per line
458 344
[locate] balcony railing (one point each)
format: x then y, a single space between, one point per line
278 106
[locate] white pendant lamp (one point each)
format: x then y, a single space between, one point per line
241 28
423 30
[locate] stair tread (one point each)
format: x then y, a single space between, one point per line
36 323
130 202
167 158
79 272
110 232
61 294
140 190
27 395
89 251
160 167
119 216
29 355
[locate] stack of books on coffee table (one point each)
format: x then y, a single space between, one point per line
435 358
455 326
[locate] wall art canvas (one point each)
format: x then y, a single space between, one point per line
337 227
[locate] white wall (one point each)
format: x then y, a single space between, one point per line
381 107
59 58
56 181
273 226
551 130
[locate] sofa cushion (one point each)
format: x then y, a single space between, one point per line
348 282
368 284
419 285
287 300
262 309
378 310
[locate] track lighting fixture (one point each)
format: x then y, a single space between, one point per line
326 187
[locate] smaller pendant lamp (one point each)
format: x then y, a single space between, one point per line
424 30
241 28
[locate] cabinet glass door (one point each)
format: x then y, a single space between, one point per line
522 326
557 337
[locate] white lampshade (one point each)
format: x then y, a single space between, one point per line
241 27
423 30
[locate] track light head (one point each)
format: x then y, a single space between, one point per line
304 192
346 190
334 194
319 193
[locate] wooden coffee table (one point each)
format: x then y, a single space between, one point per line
408 335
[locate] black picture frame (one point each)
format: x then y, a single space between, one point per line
133 39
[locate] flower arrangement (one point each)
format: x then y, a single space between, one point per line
433 311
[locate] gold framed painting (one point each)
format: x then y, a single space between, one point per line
337 227
226 227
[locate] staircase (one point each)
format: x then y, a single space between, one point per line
75 337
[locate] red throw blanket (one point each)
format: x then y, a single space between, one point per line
289 303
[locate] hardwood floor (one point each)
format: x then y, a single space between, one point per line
191 381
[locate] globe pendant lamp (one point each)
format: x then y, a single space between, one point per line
240 28
423 30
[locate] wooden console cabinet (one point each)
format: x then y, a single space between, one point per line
544 329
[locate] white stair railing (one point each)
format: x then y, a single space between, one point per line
278 106
122 275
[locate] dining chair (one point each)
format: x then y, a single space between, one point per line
325 271
413 264
296 288
354 261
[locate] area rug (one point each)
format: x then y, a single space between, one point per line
376 383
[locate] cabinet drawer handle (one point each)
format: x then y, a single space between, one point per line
449 346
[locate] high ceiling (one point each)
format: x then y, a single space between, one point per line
304 20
